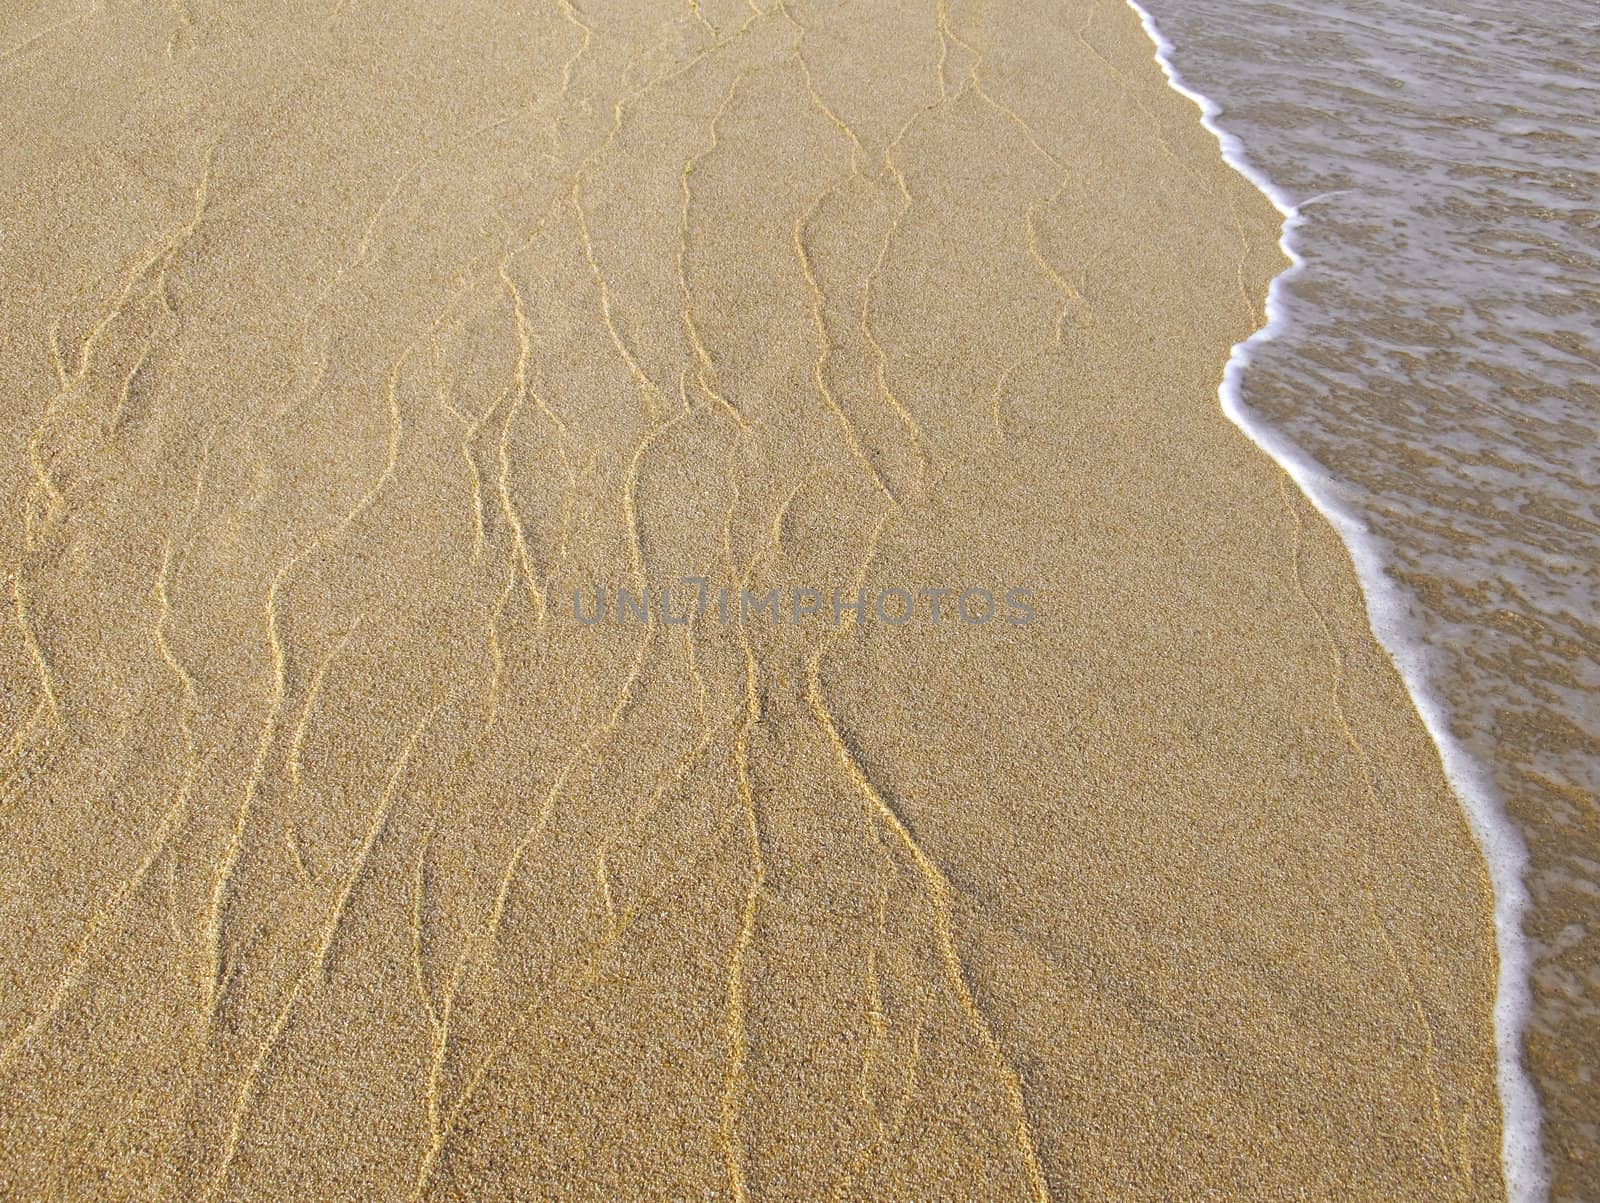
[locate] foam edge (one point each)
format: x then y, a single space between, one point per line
1390 613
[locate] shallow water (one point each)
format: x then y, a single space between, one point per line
1437 363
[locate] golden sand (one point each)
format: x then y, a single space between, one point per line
343 342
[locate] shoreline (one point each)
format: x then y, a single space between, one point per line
1505 851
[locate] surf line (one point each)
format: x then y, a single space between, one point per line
1388 612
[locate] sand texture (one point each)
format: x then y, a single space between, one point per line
342 342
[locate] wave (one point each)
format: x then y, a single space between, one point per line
1392 616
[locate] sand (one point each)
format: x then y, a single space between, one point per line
338 859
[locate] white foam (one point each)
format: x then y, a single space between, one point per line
1393 622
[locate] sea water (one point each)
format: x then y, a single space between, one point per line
1430 375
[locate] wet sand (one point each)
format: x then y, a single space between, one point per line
340 860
